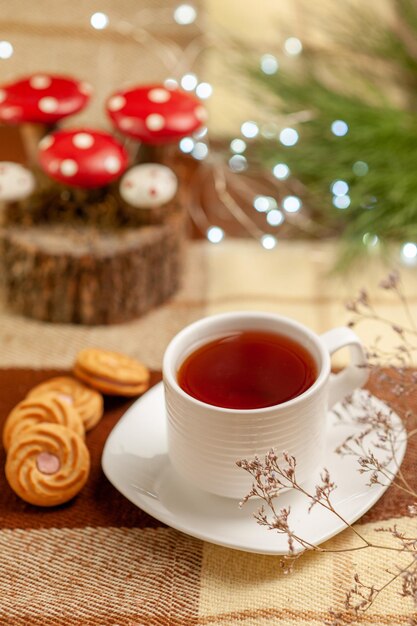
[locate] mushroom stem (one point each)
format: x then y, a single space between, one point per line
147 153
3 209
31 135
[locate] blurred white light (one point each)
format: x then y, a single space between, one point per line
275 217
269 64
189 82
261 204
370 240
185 14
171 83
200 151
288 136
215 234
291 204
201 132
269 242
6 50
369 203
339 188
238 146
293 46
360 168
99 20
281 171
204 90
269 130
341 202
409 251
238 163
264 203
249 129
339 128
187 145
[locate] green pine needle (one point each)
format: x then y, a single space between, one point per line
381 136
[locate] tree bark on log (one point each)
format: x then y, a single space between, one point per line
83 275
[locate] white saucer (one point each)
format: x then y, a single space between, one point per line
135 461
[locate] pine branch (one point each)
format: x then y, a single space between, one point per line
382 135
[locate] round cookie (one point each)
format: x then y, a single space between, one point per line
88 402
47 465
49 407
111 373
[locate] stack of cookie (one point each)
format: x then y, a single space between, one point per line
48 461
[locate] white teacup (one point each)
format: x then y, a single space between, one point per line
205 441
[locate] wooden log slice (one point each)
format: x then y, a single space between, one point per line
79 274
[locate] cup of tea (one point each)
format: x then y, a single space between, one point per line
238 384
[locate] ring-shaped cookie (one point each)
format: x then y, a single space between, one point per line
88 402
48 465
49 407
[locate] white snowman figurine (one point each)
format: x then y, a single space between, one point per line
148 185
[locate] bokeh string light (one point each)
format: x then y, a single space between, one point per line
6 49
179 62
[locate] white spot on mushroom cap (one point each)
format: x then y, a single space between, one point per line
85 88
48 105
201 113
148 185
68 167
46 142
3 95
112 164
182 123
116 103
155 121
83 140
159 95
127 123
16 182
11 112
40 81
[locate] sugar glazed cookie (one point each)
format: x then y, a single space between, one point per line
49 407
47 465
88 402
111 373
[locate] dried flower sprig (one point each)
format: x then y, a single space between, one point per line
271 477
392 370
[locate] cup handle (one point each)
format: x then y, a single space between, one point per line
356 373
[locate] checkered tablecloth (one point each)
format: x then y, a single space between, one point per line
100 561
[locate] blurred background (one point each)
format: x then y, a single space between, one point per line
303 183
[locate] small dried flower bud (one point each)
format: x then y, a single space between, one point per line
391 281
397 329
412 509
363 297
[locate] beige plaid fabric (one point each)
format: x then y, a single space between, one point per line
99 561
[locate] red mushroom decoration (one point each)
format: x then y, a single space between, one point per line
42 98
82 157
155 114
